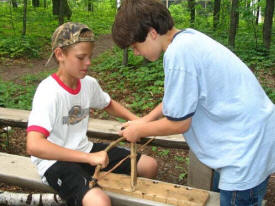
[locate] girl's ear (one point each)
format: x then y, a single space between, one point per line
58 54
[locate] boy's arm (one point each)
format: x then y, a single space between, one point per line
116 109
37 145
155 114
161 127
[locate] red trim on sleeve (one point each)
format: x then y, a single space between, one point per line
38 129
64 86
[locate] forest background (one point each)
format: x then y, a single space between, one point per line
245 26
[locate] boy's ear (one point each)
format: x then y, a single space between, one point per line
153 33
58 54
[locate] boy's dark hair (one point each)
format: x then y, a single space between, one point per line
135 18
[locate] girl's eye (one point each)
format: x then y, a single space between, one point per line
80 58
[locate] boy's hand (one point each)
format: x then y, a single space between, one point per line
130 132
133 122
99 158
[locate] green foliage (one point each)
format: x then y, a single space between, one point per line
5 134
182 176
154 148
179 158
4 140
16 96
41 24
122 144
187 160
35 79
140 84
161 152
20 46
270 92
164 152
183 173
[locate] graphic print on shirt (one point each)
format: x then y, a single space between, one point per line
76 114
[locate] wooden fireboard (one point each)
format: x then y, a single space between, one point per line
158 191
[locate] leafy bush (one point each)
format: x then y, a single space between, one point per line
140 84
16 96
20 46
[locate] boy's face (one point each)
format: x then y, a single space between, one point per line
76 60
151 48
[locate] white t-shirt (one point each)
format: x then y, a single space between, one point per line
233 120
62 114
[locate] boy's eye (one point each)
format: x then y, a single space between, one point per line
80 58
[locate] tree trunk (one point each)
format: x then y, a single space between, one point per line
125 51
216 13
191 5
25 17
234 21
257 12
90 5
268 17
55 7
35 3
45 3
22 199
61 12
125 57
66 9
14 3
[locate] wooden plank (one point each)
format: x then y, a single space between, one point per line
154 190
199 175
19 170
105 129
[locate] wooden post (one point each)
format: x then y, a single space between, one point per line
133 166
199 175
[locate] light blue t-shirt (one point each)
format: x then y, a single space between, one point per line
233 120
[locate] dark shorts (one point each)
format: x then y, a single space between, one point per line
71 180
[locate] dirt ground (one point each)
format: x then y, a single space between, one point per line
173 163
12 70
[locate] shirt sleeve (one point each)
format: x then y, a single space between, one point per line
43 114
180 88
100 99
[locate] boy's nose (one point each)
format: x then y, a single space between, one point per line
88 61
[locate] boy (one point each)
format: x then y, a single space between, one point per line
209 94
58 123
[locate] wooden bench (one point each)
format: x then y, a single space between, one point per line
28 177
199 175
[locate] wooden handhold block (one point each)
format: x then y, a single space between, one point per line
148 189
